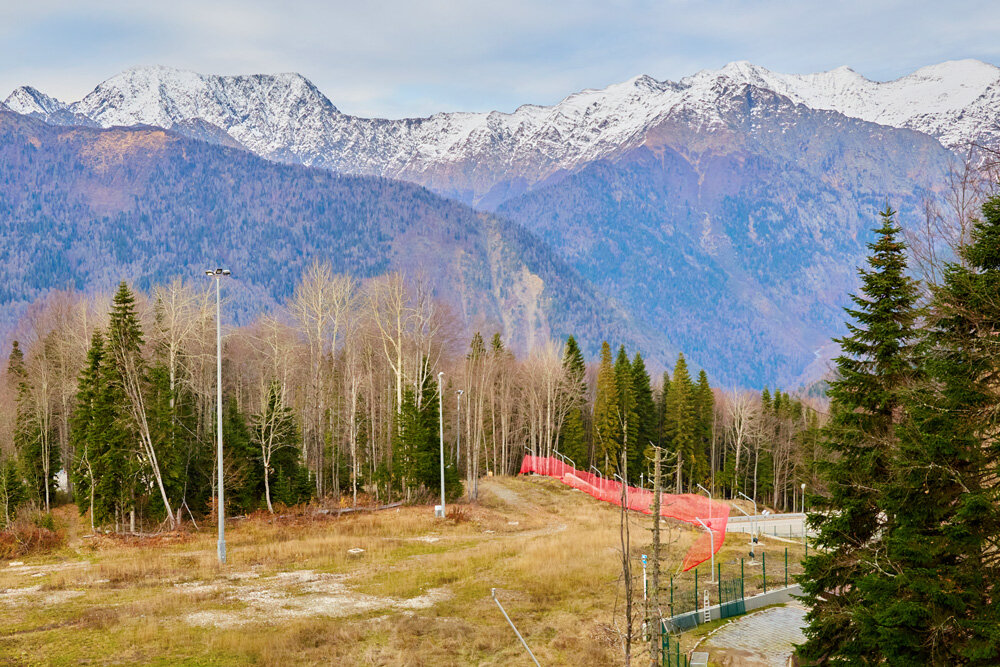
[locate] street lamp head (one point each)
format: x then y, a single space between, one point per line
225 272
803 486
210 272
460 392
440 375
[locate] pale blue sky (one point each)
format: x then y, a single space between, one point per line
399 58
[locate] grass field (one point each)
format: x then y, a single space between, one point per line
294 593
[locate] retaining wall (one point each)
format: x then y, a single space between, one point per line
690 619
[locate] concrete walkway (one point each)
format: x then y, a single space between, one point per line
763 639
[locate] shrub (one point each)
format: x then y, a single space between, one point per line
24 538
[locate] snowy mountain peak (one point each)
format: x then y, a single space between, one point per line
164 96
27 100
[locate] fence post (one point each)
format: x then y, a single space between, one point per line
696 589
718 568
672 596
742 592
763 567
786 567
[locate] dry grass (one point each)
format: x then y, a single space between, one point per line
292 593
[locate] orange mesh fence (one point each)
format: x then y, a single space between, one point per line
686 507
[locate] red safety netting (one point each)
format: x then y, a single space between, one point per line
686 507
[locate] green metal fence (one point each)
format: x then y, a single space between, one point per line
731 601
671 655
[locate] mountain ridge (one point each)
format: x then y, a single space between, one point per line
467 155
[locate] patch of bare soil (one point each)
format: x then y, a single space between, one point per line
295 594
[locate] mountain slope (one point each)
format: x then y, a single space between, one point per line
739 239
86 207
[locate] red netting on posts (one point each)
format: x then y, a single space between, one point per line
686 507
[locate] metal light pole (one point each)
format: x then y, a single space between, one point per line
745 513
624 487
600 477
709 499
803 497
711 537
441 422
458 416
220 505
753 524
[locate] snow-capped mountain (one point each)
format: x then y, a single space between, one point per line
954 102
725 211
485 158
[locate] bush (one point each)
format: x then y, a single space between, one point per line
25 538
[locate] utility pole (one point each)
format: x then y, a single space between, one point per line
220 505
441 423
653 607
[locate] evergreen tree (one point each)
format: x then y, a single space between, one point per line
661 410
679 422
573 436
704 410
941 606
628 422
646 419
87 427
120 477
244 467
419 443
12 492
607 427
875 367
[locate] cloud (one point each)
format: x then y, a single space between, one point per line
404 58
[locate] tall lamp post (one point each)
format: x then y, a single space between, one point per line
220 506
709 499
458 427
441 420
711 538
753 523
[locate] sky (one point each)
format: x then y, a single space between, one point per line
405 58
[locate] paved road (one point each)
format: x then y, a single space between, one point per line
782 525
763 639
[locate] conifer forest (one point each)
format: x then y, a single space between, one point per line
110 402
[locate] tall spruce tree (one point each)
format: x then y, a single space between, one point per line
627 420
661 410
573 436
12 490
419 445
941 604
704 409
874 370
646 419
89 421
607 427
679 422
